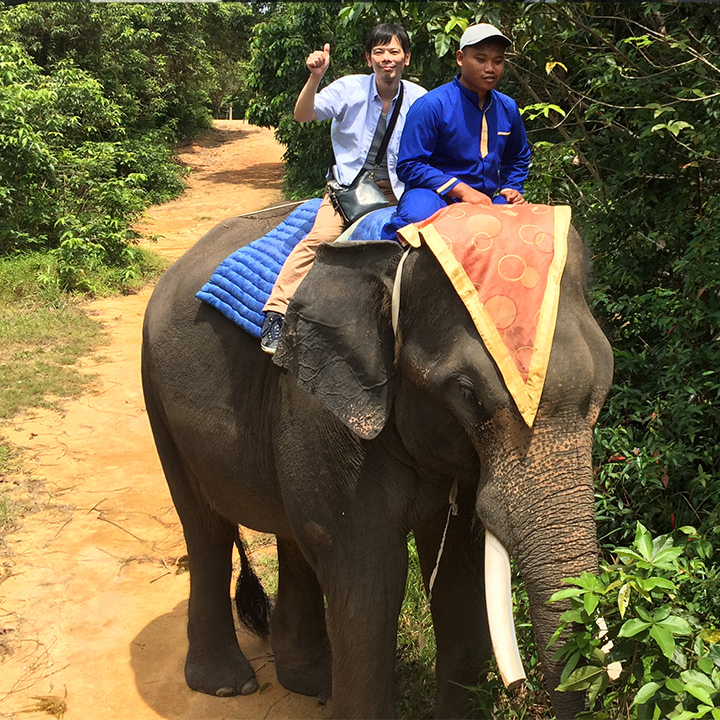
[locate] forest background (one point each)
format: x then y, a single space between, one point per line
622 106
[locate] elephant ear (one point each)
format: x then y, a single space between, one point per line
337 337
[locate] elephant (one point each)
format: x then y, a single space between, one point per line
350 438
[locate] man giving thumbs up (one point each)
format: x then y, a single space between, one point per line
360 106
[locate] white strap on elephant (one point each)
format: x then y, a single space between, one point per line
395 307
498 579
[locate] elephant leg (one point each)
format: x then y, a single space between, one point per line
299 637
214 664
457 605
364 582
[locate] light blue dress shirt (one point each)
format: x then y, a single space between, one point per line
354 105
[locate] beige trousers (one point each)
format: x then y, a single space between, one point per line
329 225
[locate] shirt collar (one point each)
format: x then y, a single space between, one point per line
472 96
374 90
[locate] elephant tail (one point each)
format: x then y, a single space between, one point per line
253 605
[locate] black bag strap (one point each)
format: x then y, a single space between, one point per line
386 137
390 127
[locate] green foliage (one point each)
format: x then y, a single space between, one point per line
72 176
91 96
638 160
277 72
652 603
414 668
151 60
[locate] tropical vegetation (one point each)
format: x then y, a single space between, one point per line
622 107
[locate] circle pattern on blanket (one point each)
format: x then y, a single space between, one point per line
523 358
511 267
482 241
456 211
502 311
488 224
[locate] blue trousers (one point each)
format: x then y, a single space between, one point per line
417 205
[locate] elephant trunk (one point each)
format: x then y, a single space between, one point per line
541 508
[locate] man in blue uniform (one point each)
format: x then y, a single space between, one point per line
463 141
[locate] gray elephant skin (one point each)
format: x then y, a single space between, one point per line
351 439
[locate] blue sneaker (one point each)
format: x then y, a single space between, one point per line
270 334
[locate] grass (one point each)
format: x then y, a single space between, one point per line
43 331
38 348
415 659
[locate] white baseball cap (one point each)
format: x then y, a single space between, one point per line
483 31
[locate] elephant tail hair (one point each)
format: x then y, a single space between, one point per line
253 605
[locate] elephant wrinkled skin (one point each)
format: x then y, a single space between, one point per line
242 441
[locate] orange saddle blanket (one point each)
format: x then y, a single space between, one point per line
506 263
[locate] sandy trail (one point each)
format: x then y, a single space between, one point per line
93 602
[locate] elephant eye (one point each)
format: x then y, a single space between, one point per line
468 393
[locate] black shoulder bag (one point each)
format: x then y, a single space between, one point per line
363 195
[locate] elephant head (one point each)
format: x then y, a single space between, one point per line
434 382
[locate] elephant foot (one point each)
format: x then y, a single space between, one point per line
223 673
306 677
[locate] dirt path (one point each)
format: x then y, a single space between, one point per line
92 606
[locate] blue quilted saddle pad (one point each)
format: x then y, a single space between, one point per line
242 283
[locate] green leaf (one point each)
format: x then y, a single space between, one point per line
674 686
570 665
705 664
699 685
570 616
632 627
645 693
676 625
566 593
442 44
599 685
590 602
664 638
582 678
651 583
643 542
665 558
687 715
700 692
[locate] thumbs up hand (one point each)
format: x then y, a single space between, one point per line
317 62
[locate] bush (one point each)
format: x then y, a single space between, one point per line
70 180
657 602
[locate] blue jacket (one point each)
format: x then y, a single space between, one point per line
449 139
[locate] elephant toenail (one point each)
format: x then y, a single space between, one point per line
225 691
249 687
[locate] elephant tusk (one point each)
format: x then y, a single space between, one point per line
498 598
